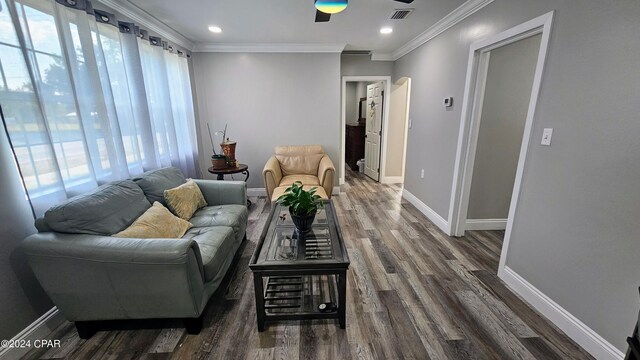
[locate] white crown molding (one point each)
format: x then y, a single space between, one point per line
270 48
462 12
149 22
376 56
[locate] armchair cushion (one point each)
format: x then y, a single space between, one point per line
299 164
277 192
304 179
107 210
156 222
155 182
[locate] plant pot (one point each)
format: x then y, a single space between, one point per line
302 223
229 150
218 162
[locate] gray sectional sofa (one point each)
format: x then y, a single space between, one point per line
91 275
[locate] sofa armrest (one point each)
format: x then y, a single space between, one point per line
223 192
272 175
326 173
91 277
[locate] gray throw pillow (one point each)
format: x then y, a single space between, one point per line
155 182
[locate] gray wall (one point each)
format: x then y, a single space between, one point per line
361 65
576 235
22 300
268 100
352 103
504 113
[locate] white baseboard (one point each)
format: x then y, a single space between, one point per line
38 330
392 180
336 190
438 220
256 192
486 224
574 328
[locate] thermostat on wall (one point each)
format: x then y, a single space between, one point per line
448 102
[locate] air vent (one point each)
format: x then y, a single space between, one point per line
356 52
399 14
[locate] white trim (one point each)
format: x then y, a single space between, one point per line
464 155
462 12
256 192
148 21
406 129
578 331
269 48
335 190
435 218
343 120
486 224
392 179
38 330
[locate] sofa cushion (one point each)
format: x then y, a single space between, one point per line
107 210
156 223
216 244
155 182
277 192
185 199
304 179
234 216
299 164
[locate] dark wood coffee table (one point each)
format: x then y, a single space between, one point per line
294 274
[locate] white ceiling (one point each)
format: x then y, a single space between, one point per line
292 21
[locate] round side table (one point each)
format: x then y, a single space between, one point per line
239 169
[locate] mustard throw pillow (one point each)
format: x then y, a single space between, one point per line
185 199
156 222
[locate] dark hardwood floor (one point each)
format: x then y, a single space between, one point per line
413 293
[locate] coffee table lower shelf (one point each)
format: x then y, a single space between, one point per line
296 295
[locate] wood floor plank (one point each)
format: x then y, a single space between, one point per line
412 293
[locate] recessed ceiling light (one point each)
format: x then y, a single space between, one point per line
386 30
215 29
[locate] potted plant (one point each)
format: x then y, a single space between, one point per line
218 161
303 205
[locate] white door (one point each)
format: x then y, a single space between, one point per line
373 131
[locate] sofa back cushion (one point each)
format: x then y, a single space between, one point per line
155 182
107 210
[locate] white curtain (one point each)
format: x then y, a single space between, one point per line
87 99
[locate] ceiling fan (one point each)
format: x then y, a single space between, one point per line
327 7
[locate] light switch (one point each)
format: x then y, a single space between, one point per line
546 136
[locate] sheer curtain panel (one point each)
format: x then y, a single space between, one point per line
88 99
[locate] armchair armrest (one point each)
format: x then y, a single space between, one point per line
91 277
223 192
326 173
272 175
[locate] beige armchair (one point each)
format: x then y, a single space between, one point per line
307 164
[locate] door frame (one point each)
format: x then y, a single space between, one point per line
385 122
469 124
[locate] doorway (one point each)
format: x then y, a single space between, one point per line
375 111
480 84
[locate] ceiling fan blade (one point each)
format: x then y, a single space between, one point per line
405 1
322 17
